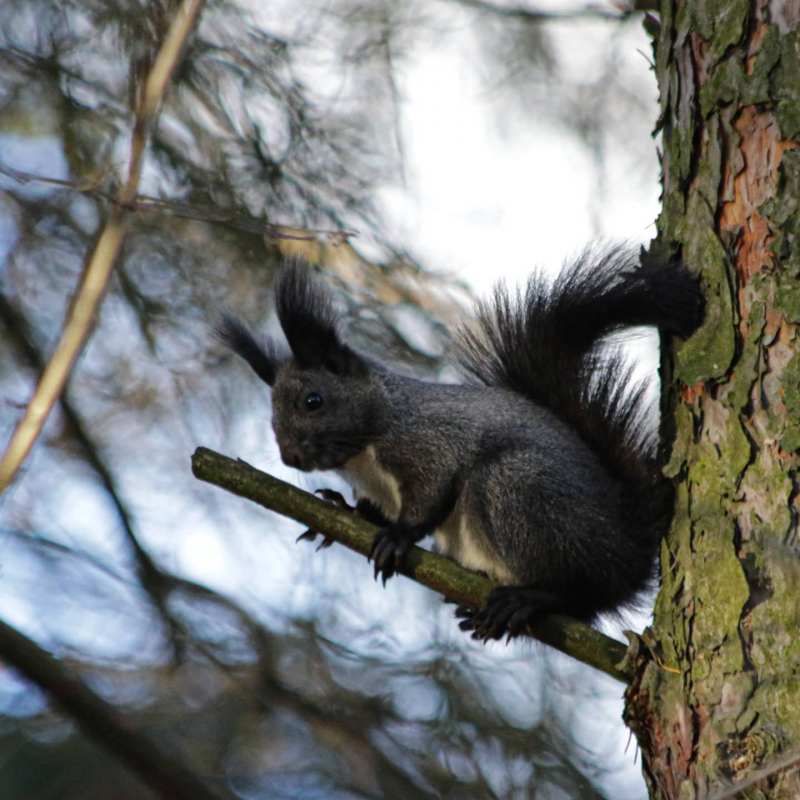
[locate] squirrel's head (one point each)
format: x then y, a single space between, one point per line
327 403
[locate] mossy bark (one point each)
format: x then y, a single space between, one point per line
718 700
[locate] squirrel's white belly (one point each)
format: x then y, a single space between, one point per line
369 479
462 540
457 538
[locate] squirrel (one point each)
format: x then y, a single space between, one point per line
540 470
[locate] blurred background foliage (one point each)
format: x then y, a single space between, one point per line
266 668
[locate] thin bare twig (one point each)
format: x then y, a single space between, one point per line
153 580
188 211
440 574
98 267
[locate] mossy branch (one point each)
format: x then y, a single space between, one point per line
440 574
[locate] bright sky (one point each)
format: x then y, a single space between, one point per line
485 204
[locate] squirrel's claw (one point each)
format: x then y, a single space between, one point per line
389 548
332 496
508 611
311 536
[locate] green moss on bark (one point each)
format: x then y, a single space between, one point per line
709 352
720 22
790 439
730 97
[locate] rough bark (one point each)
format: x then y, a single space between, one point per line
718 701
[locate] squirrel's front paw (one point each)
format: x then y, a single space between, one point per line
389 548
332 497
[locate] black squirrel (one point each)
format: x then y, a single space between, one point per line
540 471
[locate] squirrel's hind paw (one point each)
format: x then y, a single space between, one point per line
508 610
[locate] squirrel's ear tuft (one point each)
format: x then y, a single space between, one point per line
310 322
262 356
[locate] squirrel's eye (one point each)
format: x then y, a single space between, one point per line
313 401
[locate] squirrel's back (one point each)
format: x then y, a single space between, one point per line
547 344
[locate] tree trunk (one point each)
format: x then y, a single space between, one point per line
716 702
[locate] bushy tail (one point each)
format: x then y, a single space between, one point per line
543 344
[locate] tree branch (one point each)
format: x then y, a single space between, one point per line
440 574
153 580
97 270
536 15
101 721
